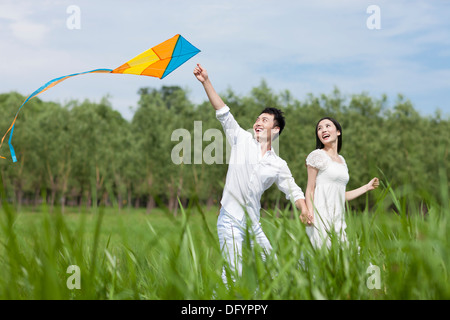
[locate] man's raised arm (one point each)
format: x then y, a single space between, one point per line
202 76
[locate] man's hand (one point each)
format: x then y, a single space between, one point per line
200 73
214 98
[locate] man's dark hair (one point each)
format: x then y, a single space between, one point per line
278 117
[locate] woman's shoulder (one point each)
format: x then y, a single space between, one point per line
315 152
317 159
343 159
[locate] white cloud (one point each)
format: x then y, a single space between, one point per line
19 26
29 32
13 10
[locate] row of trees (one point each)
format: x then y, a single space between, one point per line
86 153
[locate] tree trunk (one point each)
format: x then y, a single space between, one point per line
129 196
52 198
209 203
36 196
137 202
150 200
172 205
150 203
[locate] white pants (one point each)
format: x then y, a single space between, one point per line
232 234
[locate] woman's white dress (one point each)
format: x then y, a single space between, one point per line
329 198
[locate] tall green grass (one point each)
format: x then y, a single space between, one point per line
133 255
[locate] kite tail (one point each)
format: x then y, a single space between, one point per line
45 87
11 148
11 128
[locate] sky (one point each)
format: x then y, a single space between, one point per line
306 47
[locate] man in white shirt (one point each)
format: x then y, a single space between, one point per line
253 168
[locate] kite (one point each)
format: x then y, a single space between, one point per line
158 62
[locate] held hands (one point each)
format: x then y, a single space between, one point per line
373 184
307 218
200 73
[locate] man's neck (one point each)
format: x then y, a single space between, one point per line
266 145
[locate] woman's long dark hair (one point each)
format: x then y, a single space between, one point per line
319 144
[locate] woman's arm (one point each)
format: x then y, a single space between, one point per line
353 194
309 193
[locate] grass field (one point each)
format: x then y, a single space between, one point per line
395 252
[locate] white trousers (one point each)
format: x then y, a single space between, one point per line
232 233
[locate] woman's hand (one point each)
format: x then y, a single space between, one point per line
373 184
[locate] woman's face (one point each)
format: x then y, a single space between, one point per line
327 132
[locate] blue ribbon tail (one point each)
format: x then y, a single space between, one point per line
11 149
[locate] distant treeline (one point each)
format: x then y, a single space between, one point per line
87 154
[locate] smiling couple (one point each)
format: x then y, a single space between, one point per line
254 167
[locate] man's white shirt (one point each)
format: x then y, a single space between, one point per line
249 173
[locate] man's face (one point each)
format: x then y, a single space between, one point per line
264 127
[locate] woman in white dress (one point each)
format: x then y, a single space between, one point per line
327 179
